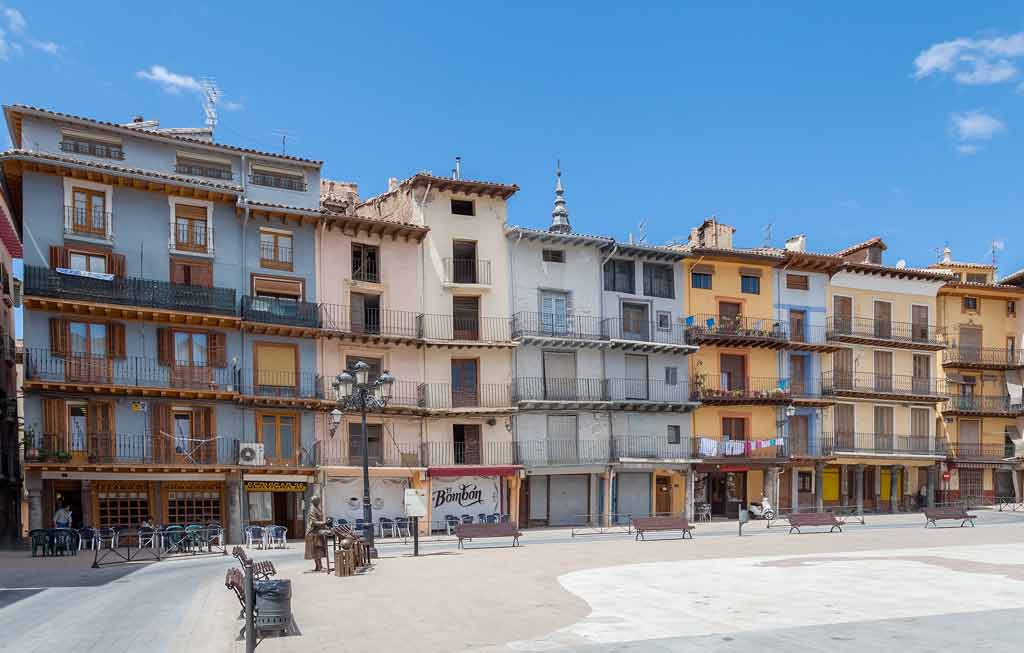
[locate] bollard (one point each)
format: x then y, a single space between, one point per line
415 536
250 607
744 517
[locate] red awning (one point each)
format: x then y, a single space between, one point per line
472 470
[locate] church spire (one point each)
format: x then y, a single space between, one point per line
560 214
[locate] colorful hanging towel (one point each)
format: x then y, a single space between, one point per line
708 447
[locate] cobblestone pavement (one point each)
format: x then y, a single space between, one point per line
887 583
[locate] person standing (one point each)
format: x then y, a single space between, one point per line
62 518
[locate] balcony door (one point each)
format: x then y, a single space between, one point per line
920 428
845 427
970 343
88 215
560 376
88 361
277 368
922 380
798 375
969 437
797 326
562 443
883 319
734 428
465 382
729 316
464 261
554 314
733 368
883 428
279 433
635 321
919 323
636 377
842 315
466 318
466 444
374 433
365 313
842 369
799 434
883 371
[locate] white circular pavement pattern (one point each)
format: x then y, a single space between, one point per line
723 596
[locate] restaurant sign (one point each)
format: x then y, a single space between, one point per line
465 494
274 486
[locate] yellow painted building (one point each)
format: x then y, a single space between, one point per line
980 319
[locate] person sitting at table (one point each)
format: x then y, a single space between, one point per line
62 518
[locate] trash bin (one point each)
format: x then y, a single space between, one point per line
273 604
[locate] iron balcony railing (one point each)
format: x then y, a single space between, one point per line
449 453
130 291
840 328
275 310
654 390
87 221
619 328
527 324
368 270
92 149
728 388
272 255
280 384
981 451
192 236
147 448
984 404
443 396
656 447
196 170
868 383
278 181
133 371
810 445
713 447
467 270
344 452
713 325
983 356
480 329
556 389
886 443
564 451
341 319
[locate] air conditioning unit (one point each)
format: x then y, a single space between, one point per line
250 453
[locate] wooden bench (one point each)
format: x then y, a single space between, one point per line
481 531
799 520
664 523
261 570
955 513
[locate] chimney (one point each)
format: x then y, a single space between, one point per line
947 255
797 243
138 118
457 172
712 233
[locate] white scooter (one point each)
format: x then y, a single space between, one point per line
761 510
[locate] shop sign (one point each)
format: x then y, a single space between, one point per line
945 476
274 486
415 503
465 493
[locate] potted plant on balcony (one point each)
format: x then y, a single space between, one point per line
62 456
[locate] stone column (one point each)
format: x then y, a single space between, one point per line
690 489
1017 485
878 488
894 488
776 488
88 519
608 476
233 529
819 483
932 475
844 485
909 489
858 488
795 485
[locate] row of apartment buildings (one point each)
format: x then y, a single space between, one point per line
187 304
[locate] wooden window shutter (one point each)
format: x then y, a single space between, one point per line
163 433
218 349
59 257
115 340
202 276
55 423
116 264
59 337
189 211
164 346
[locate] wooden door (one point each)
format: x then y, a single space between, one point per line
101 430
842 315
970 343
663 495
636 377
465 390
729 315
799 434
883 371
883 428
466 318
969 437
842 369
922 374
845 427
798 374
883 319
733 368
554 314
635 325
560 376
919 323
797 326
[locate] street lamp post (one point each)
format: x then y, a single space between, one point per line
353 391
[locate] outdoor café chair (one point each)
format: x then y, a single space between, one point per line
362 526
504 519
387 527
195 537
41 540
105 538
174 539
450 522
214 533
467 519
86 536
492 518
254 536
277 536
402 528
148 538
481 518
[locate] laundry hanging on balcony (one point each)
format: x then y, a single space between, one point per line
707 447
71 272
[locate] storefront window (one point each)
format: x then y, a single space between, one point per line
193 507
261 506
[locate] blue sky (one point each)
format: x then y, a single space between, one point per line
841 122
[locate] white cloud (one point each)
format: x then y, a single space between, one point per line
972 61
976 126
967 150
15 20
171 82
49 47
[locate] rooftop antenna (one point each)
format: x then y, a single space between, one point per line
283 133
642 232
767 230
998 245
940 251
211 95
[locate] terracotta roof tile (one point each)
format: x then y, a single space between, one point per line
877 240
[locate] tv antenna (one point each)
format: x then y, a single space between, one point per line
998 245
283 133
767 230
642 231
211 95
940 252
